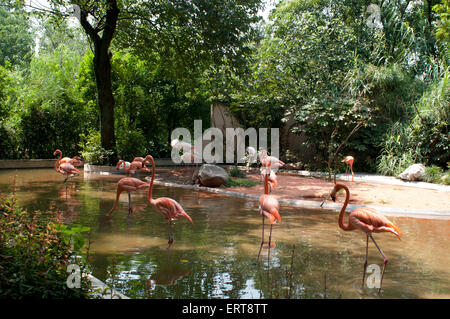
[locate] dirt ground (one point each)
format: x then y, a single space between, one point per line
310 188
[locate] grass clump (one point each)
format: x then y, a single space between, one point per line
236 172
235 182
435 174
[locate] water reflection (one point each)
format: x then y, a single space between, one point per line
216 257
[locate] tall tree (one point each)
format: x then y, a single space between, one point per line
16 42
188 36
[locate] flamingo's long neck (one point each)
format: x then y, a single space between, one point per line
58 160
341 214
150 189
266 184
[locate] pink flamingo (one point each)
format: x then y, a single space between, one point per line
268 207
349 161
75 161
135 166
68 170
366 220
143 161
65 169
272 178
265 159
169 208
127 184
121 164
139 159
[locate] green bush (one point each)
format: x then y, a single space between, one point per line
397 153
91 149
131 143
231 182
236 172
34 255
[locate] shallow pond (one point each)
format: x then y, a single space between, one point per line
217 256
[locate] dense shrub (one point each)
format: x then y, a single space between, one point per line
131 143
34 255
92 151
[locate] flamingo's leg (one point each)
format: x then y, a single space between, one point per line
170 231
130 205
262 237
270 238
365 260
385 261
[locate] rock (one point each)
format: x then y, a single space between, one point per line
212 175
413 173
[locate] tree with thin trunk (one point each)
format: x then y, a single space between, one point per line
187 37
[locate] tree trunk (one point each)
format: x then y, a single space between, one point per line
102 71
105 99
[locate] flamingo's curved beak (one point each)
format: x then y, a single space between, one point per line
188 217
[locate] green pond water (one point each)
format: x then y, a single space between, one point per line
217 256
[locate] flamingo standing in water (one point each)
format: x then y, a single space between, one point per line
65 168
127 184
268 207
367 220
75 161
168 207
349 161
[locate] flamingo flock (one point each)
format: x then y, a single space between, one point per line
364 219
169 208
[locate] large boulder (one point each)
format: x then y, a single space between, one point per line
413 173
212 175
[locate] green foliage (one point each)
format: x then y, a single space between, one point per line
15 37
47 111
426 138
236 172
91 149
73 236
397 154
149 101
433 174
234 182
131 144
34 255
443 30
